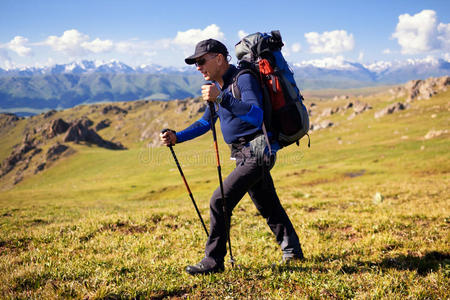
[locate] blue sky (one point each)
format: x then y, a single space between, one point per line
35 33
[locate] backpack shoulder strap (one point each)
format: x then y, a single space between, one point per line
267 109
234 87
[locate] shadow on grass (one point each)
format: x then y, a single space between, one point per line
423 265
154 295
430 262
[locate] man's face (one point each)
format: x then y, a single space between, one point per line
207 66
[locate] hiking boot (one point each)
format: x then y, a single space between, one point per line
206 266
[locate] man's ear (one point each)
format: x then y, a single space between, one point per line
220 59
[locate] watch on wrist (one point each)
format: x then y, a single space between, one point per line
219 98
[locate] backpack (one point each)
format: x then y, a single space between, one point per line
285 115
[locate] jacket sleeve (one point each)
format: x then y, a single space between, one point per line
196 129
248 108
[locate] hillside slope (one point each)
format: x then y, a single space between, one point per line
369 200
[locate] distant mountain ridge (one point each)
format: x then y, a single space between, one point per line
89 67
59 86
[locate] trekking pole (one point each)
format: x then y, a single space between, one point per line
186 184
227 223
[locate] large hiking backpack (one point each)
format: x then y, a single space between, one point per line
285 115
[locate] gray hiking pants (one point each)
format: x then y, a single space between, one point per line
252 175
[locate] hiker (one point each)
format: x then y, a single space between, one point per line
240 122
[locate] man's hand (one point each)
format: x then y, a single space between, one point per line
168 137
210 92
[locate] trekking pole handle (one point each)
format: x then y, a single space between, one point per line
164 131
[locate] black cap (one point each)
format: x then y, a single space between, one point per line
207 46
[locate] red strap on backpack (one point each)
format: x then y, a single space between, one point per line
272 83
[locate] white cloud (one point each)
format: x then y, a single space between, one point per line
361 56
98 46
17 44
296 47
75 43
444 36
193 36
447 57
69 43
242 34
330 41
421 33
387 51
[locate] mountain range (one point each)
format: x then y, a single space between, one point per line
34 89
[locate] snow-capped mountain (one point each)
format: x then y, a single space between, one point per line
67 85
327 70
87 67
353 74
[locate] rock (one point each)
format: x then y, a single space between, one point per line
39 168
15 157
435 133
348 105
321 125
424 89
103 124
391 109
7 119
327 112
80 133
49 113
378 198
87 122
57 126
113 108
181 107
54 152
360 107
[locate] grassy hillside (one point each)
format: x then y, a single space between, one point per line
369 200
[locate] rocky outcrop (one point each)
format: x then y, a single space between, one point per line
55 151
27 153
113 109
435 133
49 113
102 124
358 108
421 89
321 125
391 109
17 155
78 132
7 119
86 122
57 127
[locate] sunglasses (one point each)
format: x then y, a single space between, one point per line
203 61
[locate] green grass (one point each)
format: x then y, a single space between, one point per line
108 224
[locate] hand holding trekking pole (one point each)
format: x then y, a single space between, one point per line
210 92
168 137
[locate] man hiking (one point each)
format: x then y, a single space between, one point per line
241 125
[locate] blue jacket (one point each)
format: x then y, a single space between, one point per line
238 118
